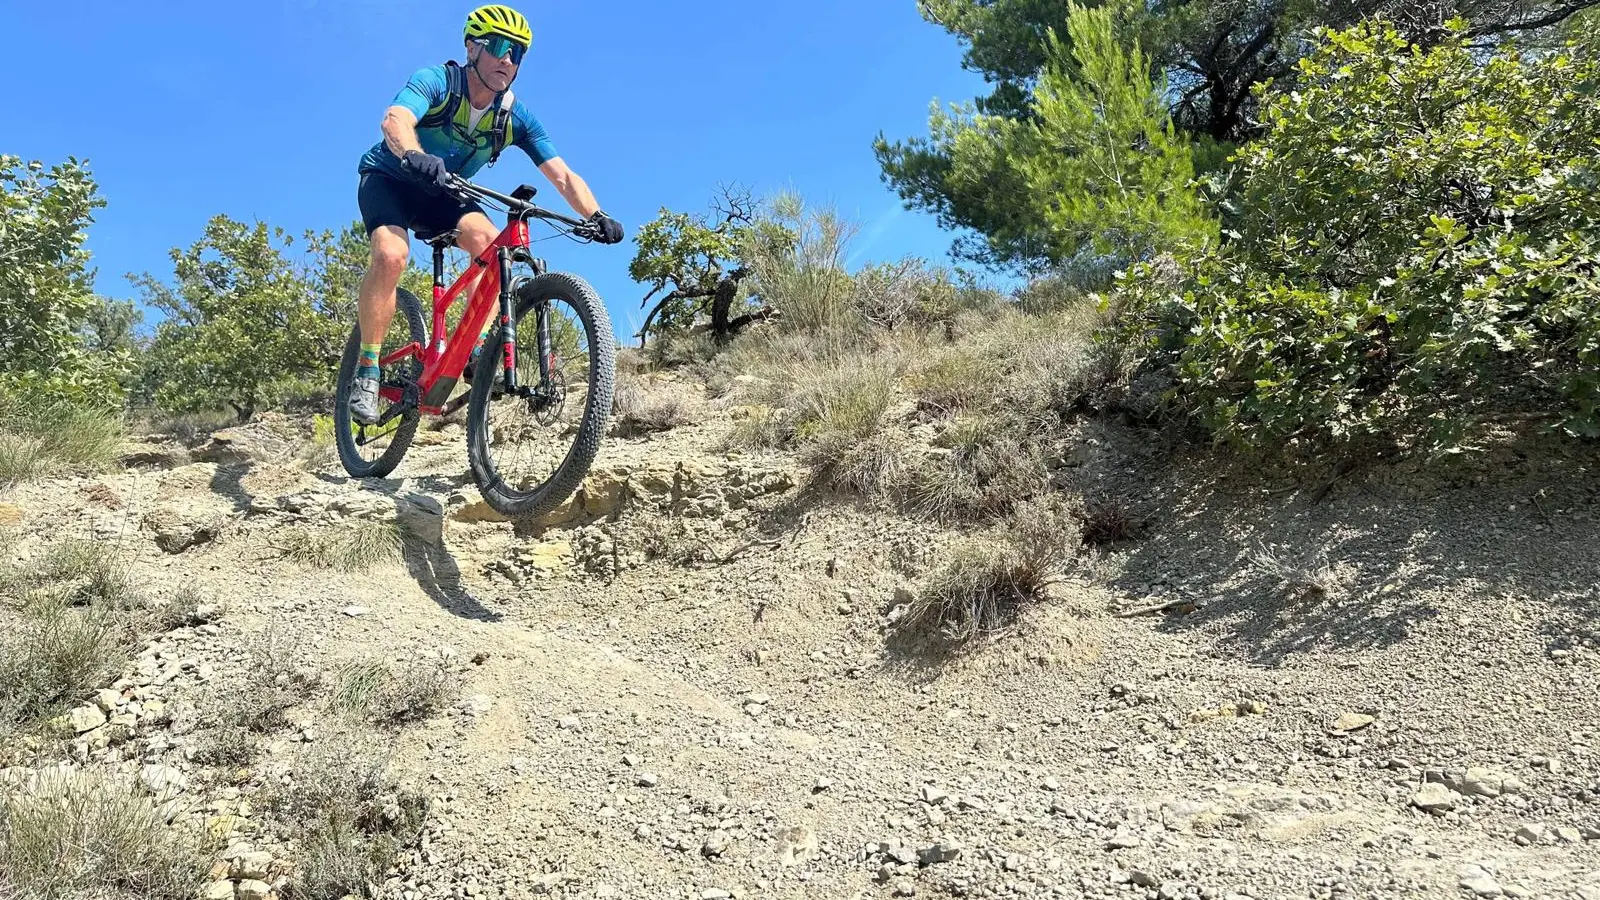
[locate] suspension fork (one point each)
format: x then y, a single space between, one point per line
546 355
508 336
508 333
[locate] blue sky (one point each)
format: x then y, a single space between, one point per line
185 109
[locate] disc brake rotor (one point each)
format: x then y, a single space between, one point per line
547 411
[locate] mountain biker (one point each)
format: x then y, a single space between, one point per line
448 119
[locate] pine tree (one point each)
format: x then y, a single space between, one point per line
1110 175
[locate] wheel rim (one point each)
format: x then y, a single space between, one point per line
527 439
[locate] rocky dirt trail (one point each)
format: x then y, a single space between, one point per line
685 685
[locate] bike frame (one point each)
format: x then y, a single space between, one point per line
447 354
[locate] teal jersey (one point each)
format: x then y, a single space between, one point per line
463 146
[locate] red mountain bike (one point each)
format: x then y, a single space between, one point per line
534 419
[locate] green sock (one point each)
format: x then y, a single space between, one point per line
368 365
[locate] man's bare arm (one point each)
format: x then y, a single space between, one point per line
400 130
573 188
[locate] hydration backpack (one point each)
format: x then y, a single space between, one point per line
445 113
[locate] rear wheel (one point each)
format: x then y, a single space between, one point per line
529 454
372 451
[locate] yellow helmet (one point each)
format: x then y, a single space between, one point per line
501 20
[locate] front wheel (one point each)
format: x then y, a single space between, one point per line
529 453
372 451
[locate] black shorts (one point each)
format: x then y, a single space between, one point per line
386 200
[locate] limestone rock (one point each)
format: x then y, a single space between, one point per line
1434 798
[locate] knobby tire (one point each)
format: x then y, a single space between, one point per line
564 481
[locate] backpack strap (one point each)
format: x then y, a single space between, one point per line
455 91
500 129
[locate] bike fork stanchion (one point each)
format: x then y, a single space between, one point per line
508 333
544 345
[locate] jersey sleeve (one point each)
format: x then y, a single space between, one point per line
426 89
529 134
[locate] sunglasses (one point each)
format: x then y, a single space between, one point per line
499 46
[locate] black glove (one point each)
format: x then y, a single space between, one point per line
610 229
426 168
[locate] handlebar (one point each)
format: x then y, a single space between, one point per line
522 209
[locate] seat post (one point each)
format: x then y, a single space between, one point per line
438 265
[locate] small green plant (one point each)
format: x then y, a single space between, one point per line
804 276
356 686
73 627
320 448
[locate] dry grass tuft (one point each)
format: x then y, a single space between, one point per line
354 546
82 572
760 427
989 580
1107 520
68 834
182 609
40 439
981 468
349 820
72 628
190 428
372 691
280 678
53 656
831 404
960 378
1310 576
639 411
677 350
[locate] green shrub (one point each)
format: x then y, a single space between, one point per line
47 302
1413 255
